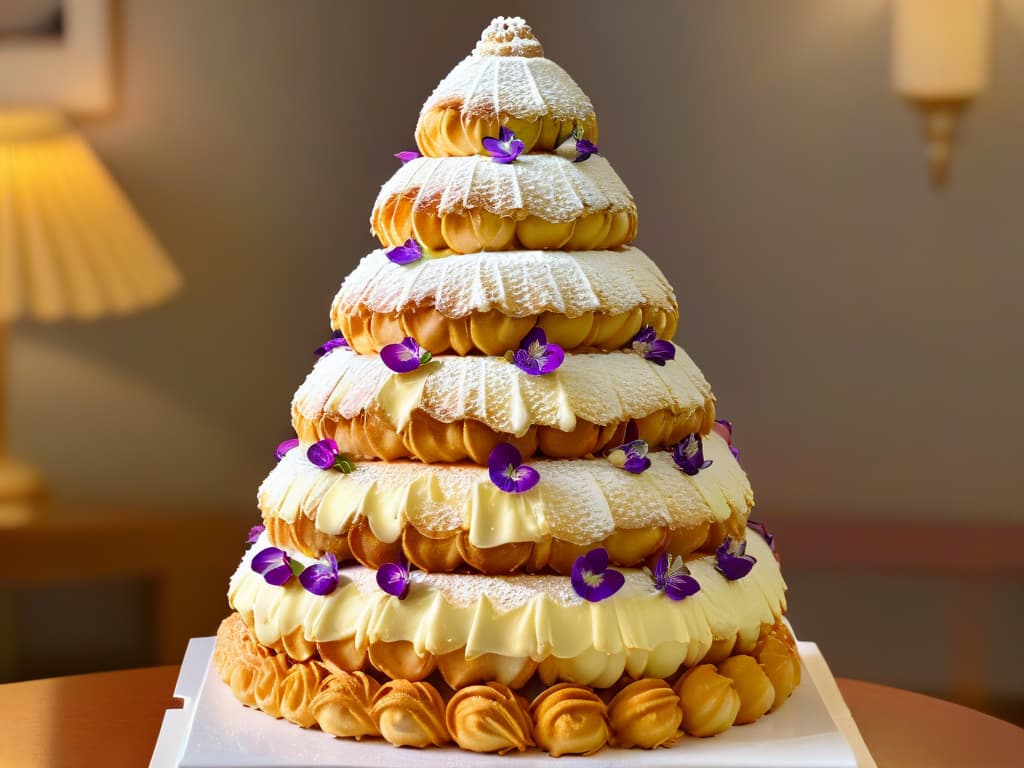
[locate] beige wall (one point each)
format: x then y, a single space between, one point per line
860 328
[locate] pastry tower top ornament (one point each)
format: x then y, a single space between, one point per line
510 518
508 37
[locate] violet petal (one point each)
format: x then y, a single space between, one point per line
645 335
273 565
254 534
507 470
585 149
406 253
284 447
323 454
637 464
407 155
279 576
688 455
592 579
732 561
336 340
321 578
393 578
402 357
681 585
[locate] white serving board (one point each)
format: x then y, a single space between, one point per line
813 729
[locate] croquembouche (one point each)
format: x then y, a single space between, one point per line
509 519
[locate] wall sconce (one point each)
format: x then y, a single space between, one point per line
71 244
940 61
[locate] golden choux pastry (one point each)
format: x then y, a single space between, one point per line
410 714
569 720
238 658
538 202
645 714
777 654
298 688
505 81
487 302
460 672
399 661
267 688
454 408
752 684
489 718
708 701
446 517
342 706
341 656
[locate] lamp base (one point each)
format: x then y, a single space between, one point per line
22 493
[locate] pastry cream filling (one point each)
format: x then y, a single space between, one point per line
581 501
521 616
601 388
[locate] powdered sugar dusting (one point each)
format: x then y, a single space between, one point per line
581 501
548 186
514 283
598 387
502 87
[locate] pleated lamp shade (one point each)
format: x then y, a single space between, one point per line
71 245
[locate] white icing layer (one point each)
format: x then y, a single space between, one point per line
549 186
601 388
514 283
510 86
581 501
523 616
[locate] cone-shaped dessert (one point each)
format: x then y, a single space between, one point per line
509 519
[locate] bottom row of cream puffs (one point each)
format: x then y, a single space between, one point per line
563 719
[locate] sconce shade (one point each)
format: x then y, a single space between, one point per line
71 245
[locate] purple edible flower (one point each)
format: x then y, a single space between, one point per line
591 577
732 560
631 456
321 578
724 429
535 356
325 455
273 565
336 340
769 539
393 578
407 155
508 471
673 578
688 455
405 356
647 343
585 149
254 534
406 253
284 447
504 149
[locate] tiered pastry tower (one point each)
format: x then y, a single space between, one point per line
502 465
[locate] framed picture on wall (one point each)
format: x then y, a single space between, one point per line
56 53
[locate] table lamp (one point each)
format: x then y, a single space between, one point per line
71 248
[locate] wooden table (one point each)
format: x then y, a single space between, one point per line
111 719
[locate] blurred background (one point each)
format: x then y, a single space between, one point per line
861 327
